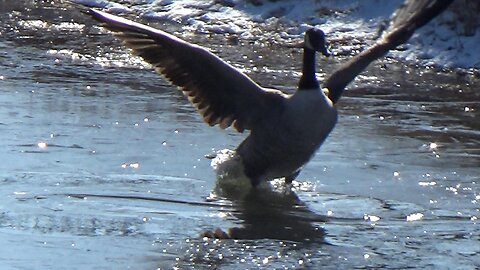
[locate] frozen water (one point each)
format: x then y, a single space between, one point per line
102 162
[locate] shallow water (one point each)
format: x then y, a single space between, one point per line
103 163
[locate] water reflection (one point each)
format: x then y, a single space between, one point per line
272 215
269 212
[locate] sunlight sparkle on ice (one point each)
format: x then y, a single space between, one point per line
135 165
42 145
131 165
415 217
424 184
371 218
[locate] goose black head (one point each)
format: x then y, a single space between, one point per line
315 40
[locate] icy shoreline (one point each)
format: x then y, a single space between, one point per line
350 25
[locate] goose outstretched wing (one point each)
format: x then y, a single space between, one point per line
222 95
411 16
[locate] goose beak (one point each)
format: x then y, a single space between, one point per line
324 50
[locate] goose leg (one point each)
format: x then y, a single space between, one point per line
289 179
255 181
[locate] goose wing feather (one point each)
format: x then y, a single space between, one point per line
221 94
415 14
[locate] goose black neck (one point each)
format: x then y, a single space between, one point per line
308 79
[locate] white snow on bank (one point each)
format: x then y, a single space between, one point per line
444 42
350 25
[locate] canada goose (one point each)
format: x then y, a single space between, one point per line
285 130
